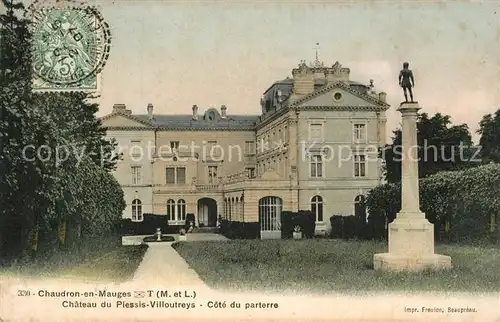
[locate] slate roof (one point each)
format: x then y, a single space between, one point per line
186 122
240 122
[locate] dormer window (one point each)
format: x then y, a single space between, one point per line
211 116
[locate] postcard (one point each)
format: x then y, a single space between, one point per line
249 160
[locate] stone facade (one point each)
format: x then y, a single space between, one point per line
313 146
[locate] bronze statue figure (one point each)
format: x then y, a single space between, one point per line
406 81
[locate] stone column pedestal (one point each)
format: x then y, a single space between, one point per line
411 235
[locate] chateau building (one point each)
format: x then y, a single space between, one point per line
314 146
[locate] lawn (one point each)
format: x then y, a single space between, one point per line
333 266
114 264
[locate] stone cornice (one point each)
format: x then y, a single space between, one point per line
352 108
205 129
166 129
128 128
344 86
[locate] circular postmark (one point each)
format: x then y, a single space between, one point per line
70 46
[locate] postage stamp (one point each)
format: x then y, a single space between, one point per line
70 47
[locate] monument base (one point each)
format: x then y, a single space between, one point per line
411 246
392 262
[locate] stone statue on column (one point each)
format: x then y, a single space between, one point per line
410 235
406 81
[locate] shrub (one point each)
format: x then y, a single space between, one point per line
336 222
287 224
190 217
375 228
466 198
306 219
240 230
349 227
150 239
148 225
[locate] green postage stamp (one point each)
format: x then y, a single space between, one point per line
70 46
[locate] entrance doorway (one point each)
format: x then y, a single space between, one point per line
207 212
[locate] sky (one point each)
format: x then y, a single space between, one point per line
177 54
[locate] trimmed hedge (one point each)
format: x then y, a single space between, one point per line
467 199
239 230
306 219
190 217
348 227
152 239
148 225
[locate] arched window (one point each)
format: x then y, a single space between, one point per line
137 210
317 207
270 213
170 209
181 209
360 207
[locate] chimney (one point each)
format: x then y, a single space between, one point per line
382 96
150 111
303 81
119 108
195 112
337 73
223 109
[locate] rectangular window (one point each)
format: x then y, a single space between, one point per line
181 175
212 174
251 172
211 150
359 165
176 175
316 132
135 149
137 210
249 147
316 166
359 132
170 175
136 174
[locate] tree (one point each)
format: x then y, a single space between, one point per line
441 147
18 179
37 189
489 128
73 119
